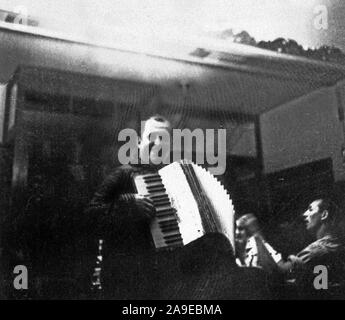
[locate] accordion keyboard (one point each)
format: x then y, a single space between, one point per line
165 226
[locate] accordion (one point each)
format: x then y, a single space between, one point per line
189 201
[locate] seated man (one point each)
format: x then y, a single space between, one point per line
322 220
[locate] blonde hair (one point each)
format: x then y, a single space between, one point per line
248 219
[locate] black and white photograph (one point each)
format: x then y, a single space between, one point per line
172 150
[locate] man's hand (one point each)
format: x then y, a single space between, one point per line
145 206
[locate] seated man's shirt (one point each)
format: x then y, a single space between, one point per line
328 251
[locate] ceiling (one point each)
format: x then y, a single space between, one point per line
232 80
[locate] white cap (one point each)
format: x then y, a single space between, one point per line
154 124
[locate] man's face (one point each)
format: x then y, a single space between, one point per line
313 216
153 144
240 233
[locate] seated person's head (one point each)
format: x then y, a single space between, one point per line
246 226
155 139
321 212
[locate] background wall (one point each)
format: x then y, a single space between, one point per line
304 130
